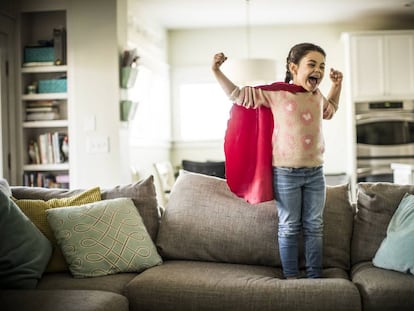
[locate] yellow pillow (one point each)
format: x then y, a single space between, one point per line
36 211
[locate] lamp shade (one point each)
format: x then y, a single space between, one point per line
250 71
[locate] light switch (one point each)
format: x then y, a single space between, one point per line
89 123
97 144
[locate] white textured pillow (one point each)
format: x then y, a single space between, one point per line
102 238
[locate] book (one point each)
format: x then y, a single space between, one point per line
42 116
36 64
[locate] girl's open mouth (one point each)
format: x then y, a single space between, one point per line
313 81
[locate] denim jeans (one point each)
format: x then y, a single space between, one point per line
300 200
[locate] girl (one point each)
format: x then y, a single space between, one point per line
297 148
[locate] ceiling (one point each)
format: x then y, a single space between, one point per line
182 14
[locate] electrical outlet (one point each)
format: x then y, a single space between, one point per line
98 144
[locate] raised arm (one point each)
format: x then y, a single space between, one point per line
333 95
225 83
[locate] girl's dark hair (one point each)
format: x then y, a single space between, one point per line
297 52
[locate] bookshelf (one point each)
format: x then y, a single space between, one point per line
44 100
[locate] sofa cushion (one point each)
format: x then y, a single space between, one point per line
397 249
142 193
24 250
64 280
206 286
338 218
103 238
376 203
36 211
62 300
213 224
383 290
204 220
144 196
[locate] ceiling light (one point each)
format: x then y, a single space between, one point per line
251 71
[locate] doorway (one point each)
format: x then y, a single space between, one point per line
7 114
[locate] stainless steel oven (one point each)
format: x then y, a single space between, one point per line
385 135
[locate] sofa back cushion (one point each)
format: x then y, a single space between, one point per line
376 204
205 221
142 193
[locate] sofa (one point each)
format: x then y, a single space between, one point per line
220 253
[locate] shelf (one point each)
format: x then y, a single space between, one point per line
46 167
42 69
46 96
45 123
39 72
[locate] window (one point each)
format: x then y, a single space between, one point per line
204 111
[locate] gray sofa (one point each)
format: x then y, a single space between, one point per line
220 253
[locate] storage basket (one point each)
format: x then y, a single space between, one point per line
52 86
39 54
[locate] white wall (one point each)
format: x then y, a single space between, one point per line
195 48
93 82
150 131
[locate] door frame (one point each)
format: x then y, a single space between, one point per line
8 130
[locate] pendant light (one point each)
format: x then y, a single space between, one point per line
250 71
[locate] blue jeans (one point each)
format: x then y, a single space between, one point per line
300 200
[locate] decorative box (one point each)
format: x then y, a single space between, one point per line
52 86
39 54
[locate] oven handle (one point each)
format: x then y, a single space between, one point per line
384 117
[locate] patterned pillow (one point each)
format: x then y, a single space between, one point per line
36 211
103 238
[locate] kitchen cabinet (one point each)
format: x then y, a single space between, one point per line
381 65
43 100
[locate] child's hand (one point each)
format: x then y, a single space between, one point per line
336 76
218 60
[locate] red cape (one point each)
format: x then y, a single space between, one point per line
248 148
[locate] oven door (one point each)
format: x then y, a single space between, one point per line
379 170
385 134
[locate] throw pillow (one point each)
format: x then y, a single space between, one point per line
24 250
36 211
397 249
103 238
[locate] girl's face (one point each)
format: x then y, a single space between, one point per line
309 72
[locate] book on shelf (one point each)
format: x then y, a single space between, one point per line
49 148
42 104
42 116
42 110
46 180
38 64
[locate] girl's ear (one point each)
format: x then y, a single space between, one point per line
293 68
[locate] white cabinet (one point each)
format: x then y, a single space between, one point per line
43 105
381 65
